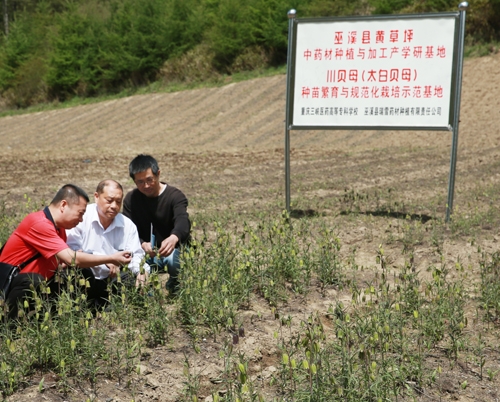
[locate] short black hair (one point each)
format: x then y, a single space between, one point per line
141 163
71 194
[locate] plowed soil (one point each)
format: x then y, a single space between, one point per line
224 147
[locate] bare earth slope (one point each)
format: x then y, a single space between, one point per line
247 115
224 148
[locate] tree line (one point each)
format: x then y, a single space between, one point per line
57 49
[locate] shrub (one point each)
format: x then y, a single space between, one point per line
193 66
321 8
252 58
22 65
28 86
75 63
230 32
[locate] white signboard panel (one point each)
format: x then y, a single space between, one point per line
380 73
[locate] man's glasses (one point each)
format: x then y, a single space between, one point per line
149 181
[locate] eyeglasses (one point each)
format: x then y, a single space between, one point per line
149 181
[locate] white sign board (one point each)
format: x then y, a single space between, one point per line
392 73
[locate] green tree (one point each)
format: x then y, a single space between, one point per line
322 8
75 62
22 63
269 27
230 31
389 6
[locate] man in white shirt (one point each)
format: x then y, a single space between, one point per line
103 231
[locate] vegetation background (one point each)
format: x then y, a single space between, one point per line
54 50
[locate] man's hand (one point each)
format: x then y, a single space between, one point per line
141 280
121 258
113 270
148 249
168 245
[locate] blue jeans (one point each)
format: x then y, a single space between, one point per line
171 264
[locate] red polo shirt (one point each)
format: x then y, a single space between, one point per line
35 234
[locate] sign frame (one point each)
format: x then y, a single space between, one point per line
454 97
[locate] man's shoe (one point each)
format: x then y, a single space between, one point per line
172 286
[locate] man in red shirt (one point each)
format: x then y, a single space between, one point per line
43 233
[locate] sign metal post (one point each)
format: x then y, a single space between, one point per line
291 20
456 118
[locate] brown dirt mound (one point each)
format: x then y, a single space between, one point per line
243 116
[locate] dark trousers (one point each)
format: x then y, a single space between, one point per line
99 288
23 286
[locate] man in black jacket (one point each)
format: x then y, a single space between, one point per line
160 213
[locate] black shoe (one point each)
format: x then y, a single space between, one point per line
172 286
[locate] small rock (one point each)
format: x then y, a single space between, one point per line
152 382
144 370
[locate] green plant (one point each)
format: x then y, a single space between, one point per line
192 383
156 318
490 285
328 262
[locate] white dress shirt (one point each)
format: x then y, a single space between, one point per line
91 237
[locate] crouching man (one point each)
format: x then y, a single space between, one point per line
40 240
160 212
104 230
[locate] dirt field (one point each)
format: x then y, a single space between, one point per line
224 148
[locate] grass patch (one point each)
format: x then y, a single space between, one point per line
154 87
373 343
